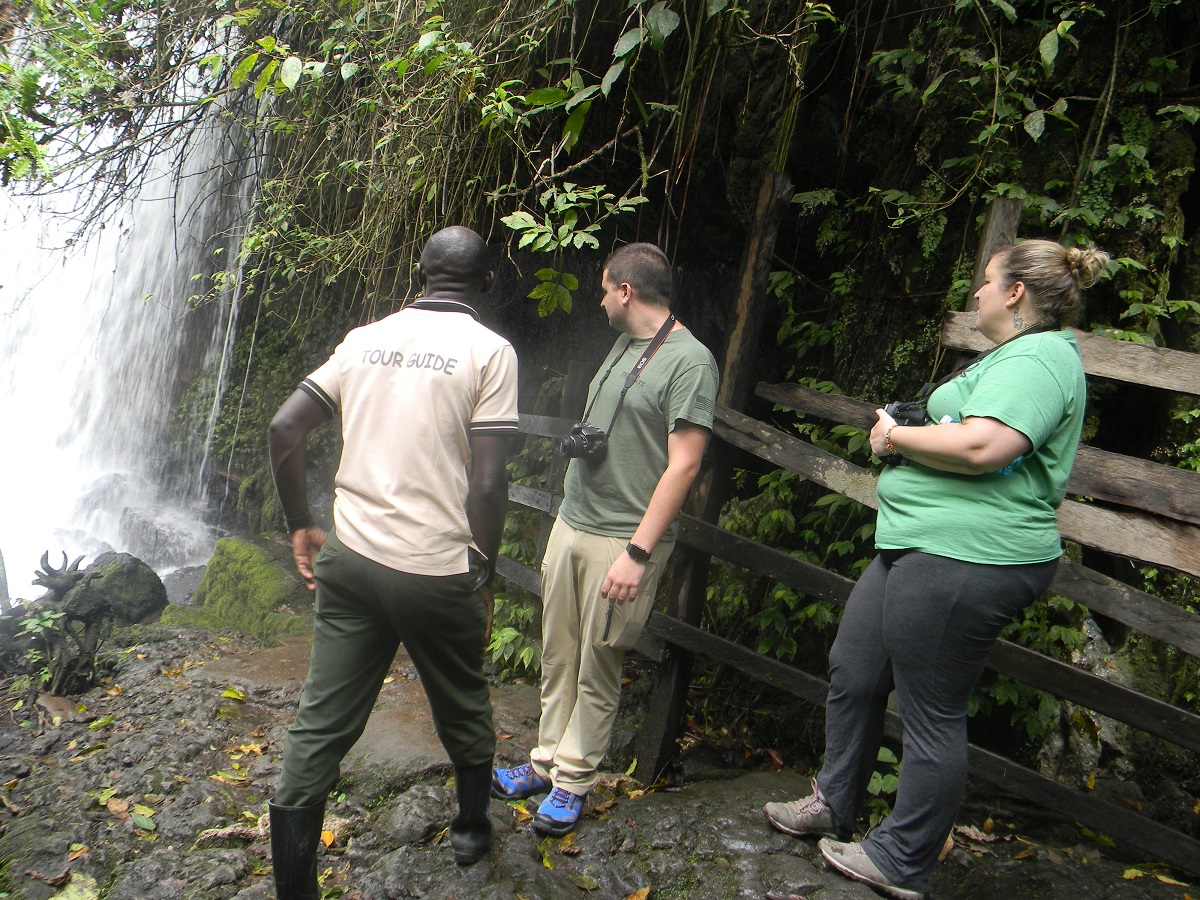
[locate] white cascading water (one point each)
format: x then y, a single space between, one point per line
98 344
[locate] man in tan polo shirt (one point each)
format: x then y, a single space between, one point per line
428 404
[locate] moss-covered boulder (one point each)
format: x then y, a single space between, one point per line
132 589
244 590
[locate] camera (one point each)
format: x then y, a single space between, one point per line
585 441
905 412
910 412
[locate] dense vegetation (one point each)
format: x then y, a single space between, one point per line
561 128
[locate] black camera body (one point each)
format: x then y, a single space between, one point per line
908 412
905 412
585 442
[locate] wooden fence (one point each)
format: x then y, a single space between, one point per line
1140 510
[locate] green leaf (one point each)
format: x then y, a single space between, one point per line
102 722
712 7
573 127
427 40
1035 124
349 70
264 77
290 71
611 76
519 221
232 693
581 95
570 282
1048 50
629 41
1007 9
662 20
242 72
928 92
546 274
546 96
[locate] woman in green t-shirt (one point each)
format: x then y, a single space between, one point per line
967 539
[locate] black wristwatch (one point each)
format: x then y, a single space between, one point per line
636 553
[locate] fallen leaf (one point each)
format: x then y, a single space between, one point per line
327 838
115 691
584 882
78 850
52 880
1166 879
233 693
639 894
605 806
971 833
118 808
389 679
1024 854
988 825
776 760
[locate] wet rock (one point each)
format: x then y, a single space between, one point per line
161 538
132 590
243 589
181 584
419 813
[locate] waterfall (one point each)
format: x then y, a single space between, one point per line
112 370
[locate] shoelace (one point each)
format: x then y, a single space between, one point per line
561 798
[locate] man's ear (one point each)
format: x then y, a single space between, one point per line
488 280
422 275
627 291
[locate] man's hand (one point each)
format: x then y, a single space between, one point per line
623 579
306 543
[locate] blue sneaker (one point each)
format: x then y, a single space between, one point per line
558 813
518 783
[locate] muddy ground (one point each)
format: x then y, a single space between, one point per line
154 785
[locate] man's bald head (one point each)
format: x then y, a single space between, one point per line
456 254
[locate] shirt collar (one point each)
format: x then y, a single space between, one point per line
440 304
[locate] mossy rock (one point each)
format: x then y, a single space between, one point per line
244 590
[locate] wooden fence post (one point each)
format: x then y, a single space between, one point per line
657 744
1000 224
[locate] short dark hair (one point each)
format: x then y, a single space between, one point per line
455 251
644 268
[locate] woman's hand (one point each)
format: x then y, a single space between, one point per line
879 434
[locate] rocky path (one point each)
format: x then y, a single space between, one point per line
154 786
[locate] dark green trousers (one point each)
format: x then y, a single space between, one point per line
364 610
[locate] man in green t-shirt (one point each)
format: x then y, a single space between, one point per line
615 529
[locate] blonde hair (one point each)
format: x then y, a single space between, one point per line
1053 275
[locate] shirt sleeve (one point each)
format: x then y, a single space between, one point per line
692 396
1023 393
496 410
325 384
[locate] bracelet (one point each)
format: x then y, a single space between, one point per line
295 523
636 553
887 440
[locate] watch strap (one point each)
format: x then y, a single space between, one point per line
636 553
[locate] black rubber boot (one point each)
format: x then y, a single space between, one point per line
295 833
471 829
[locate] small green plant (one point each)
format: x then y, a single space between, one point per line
882 786
512 647
43 629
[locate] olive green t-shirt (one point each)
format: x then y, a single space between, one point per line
679 382
1034 384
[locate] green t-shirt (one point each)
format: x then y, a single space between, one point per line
609 498
1034 384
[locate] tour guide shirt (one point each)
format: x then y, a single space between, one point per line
411 389
609 498
1034 384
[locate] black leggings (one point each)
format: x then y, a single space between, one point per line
922 625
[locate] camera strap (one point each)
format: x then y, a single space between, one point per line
651 349
928 389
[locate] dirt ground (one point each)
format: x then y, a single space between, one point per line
154 785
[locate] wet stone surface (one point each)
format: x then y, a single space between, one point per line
155 786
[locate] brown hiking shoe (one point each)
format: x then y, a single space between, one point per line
806 817
851 860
